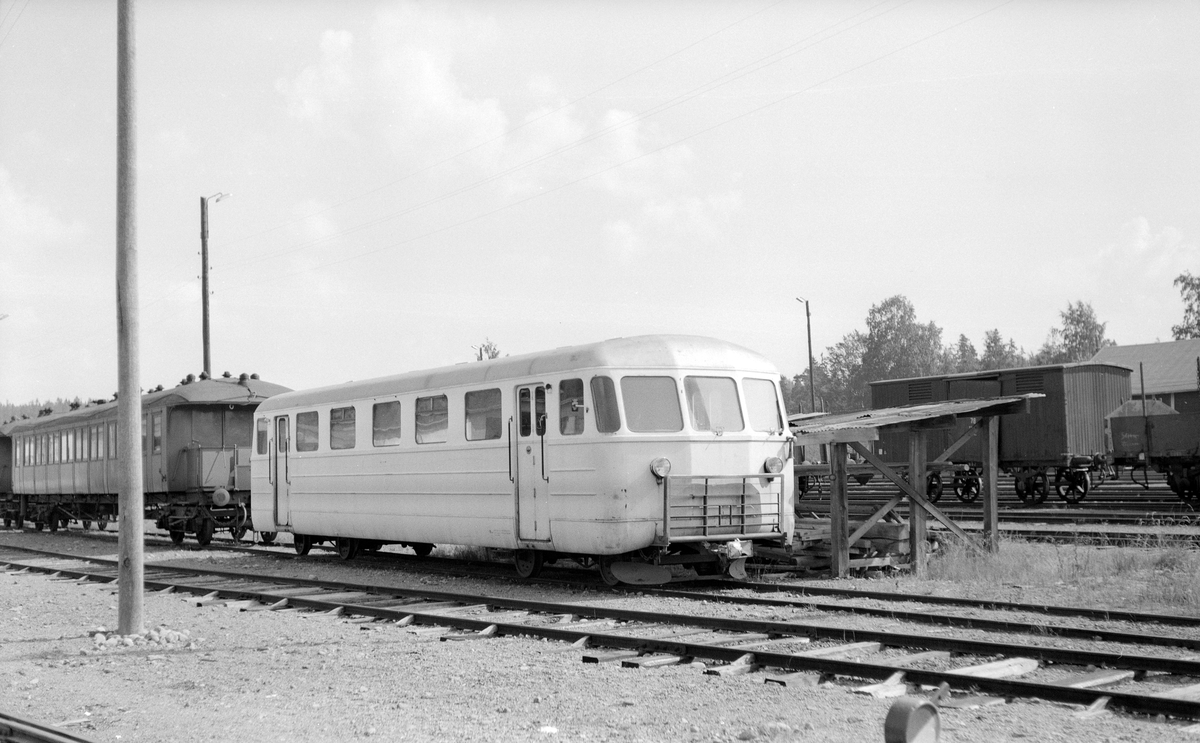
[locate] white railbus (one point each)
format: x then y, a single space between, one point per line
655 458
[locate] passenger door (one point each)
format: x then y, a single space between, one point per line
280 471
532 477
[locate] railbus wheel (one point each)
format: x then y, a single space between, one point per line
606 574
422 549
176 535
302 544
204 532
267 537
347 548
528 563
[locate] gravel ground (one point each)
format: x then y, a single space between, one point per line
216 673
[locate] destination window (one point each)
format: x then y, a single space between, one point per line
385 424
482 412
713 404
341 428
762 403
432 419
651 404
307 431
604 400
570 407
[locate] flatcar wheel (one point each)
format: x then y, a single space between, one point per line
176 536
53 522
301 543
422 549
1078 485
933 487
1040 488
267 537
528 563
7 522
347 548
102 524
204 533
1019 487
606 573
86 524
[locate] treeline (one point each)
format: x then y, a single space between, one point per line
895 345
13 411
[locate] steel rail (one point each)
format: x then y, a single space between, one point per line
15 730
1144 703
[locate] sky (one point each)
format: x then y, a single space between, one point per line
410 179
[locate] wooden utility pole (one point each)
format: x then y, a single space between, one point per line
130 575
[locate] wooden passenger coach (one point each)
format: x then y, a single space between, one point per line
656 458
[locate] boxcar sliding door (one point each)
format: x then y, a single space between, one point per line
532 477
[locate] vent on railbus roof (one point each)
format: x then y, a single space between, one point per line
921 391
1030 381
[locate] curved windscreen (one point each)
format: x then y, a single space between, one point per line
763 405
651 404
713 404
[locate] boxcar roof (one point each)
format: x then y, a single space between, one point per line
230 390
995 373
639 352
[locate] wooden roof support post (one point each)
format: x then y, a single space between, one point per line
917 531
839 513
991 481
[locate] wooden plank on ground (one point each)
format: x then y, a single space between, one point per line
842 651
1000 669
1103 677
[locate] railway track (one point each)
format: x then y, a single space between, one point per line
16 730
1112 672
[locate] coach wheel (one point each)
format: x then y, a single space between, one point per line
302 544
347 548
422 549
176 536
968 489
101 524
237 532
267 537
204 532
528 563
933 487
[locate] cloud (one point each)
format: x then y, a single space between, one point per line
322 88
25 223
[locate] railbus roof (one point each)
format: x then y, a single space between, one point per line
638 352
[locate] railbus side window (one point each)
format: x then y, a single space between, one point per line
341 428
762 404
523 403
482 414
713 404
539 404
651 404
262 434
604 399
570 407
156 432
385 424
432 419
307 431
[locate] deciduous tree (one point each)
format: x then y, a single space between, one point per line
1189 288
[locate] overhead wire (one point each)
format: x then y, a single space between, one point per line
15 20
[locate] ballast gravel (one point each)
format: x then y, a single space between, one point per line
212 672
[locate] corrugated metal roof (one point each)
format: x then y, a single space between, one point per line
866 420
995 373
1169 367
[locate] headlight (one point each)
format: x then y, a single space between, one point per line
773 465
661 467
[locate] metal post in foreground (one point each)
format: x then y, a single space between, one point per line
130 575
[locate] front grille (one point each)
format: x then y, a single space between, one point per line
721 508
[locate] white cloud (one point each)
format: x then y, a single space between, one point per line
327 84
25 223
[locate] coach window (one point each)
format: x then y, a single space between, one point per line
156 431
713 404
651 404
570 407
763 405
432 419
206 427
98 436
262 434
341 428
112 440
604 399
482 414
385 424
307 431
237 426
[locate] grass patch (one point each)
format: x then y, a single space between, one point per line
1163 579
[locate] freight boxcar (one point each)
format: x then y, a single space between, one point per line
1154 436
1062 441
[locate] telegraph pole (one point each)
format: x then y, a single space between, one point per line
130 575
204 275
812 388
